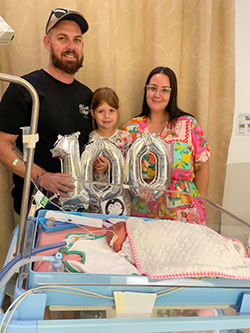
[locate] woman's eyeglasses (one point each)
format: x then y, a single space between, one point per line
164 91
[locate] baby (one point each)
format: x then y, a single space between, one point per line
176 249
117 239
116 235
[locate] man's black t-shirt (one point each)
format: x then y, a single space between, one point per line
64 109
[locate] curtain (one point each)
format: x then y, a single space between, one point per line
126 39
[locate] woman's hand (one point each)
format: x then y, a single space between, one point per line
145 195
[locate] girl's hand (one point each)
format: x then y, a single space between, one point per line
101 164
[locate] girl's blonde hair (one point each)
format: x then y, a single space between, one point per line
104 95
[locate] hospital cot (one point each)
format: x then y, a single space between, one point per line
105 295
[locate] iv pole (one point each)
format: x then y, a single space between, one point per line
7 35
30 159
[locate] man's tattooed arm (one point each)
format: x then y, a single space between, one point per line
17 151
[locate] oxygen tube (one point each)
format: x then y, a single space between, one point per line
12 266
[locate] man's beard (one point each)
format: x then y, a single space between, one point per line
68 67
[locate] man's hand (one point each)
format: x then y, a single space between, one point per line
59 183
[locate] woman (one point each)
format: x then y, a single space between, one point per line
189 149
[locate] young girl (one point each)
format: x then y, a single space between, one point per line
105 110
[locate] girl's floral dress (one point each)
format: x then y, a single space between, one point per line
189 148
120 138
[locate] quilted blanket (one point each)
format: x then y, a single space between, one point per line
172 249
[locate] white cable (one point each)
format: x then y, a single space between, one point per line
50 201
71 290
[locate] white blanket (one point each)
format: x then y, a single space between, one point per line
172 249
98 258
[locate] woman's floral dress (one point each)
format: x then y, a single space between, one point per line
189 148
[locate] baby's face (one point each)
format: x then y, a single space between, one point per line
118 231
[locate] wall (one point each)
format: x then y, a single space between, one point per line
237 187
239 151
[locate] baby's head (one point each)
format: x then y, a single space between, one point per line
116 236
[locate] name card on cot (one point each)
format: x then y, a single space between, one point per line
133 304
75 219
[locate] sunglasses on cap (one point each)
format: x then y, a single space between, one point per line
59 14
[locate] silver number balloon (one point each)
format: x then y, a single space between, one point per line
67 149
102 146
148 143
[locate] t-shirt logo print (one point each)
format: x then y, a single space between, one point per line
84 110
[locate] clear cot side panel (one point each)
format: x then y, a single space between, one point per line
150 203
116 202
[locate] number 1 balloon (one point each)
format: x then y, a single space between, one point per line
67 149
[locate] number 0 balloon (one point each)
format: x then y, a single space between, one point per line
102 146
148 143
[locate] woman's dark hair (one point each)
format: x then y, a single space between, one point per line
172 108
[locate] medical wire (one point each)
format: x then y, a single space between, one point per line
92 232
173 289
80 292
18 301
78 225
50 201
72 290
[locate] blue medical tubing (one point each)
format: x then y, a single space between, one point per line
36 250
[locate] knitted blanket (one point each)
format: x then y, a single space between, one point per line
172 249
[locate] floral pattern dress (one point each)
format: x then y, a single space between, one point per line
189 148
120 138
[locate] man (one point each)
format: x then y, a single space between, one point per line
64 106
